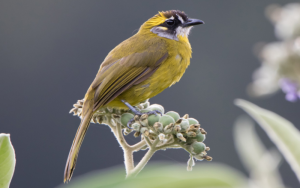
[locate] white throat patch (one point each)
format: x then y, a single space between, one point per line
183 31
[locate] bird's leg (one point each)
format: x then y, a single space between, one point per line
134 110
137 112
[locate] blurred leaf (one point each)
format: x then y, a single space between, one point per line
7 160
164 176
261 163
282 132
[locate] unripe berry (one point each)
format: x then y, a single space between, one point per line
184 125
173 114
125 118
166 120
192 121
153 119
200 137
198 147
157 107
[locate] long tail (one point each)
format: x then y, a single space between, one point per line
72 158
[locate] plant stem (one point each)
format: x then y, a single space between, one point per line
120 137
144 160
128 160
128 151
138 146
147 140
141 164
171 145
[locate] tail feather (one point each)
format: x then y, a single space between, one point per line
73 154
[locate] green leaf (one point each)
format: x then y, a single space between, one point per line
261 163
164 176
282 132
7 160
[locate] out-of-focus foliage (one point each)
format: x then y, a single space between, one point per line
282 132
280 66
261 163
286 20
164 176
7 160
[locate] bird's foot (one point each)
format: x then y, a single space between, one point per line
134 110
130 122
137 112
155 112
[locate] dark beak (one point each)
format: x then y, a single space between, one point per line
192 22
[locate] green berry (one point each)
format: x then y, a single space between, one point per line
166 120
125 118
198 147
192 121
200 137
184 125
173 114
157 107
153 119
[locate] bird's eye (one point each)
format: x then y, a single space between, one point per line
170 22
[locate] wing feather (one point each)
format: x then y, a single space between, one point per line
118 75
117 86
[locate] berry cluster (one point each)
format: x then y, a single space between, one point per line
168 130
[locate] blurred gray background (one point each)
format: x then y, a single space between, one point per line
50 52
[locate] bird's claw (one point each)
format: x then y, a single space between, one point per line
154 112
130 123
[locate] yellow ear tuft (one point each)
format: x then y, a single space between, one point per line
154 21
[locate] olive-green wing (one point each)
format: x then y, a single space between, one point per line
123 73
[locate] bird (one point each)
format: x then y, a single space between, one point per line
137 69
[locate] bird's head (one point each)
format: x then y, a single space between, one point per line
172 24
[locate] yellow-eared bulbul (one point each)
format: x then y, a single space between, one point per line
137 69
